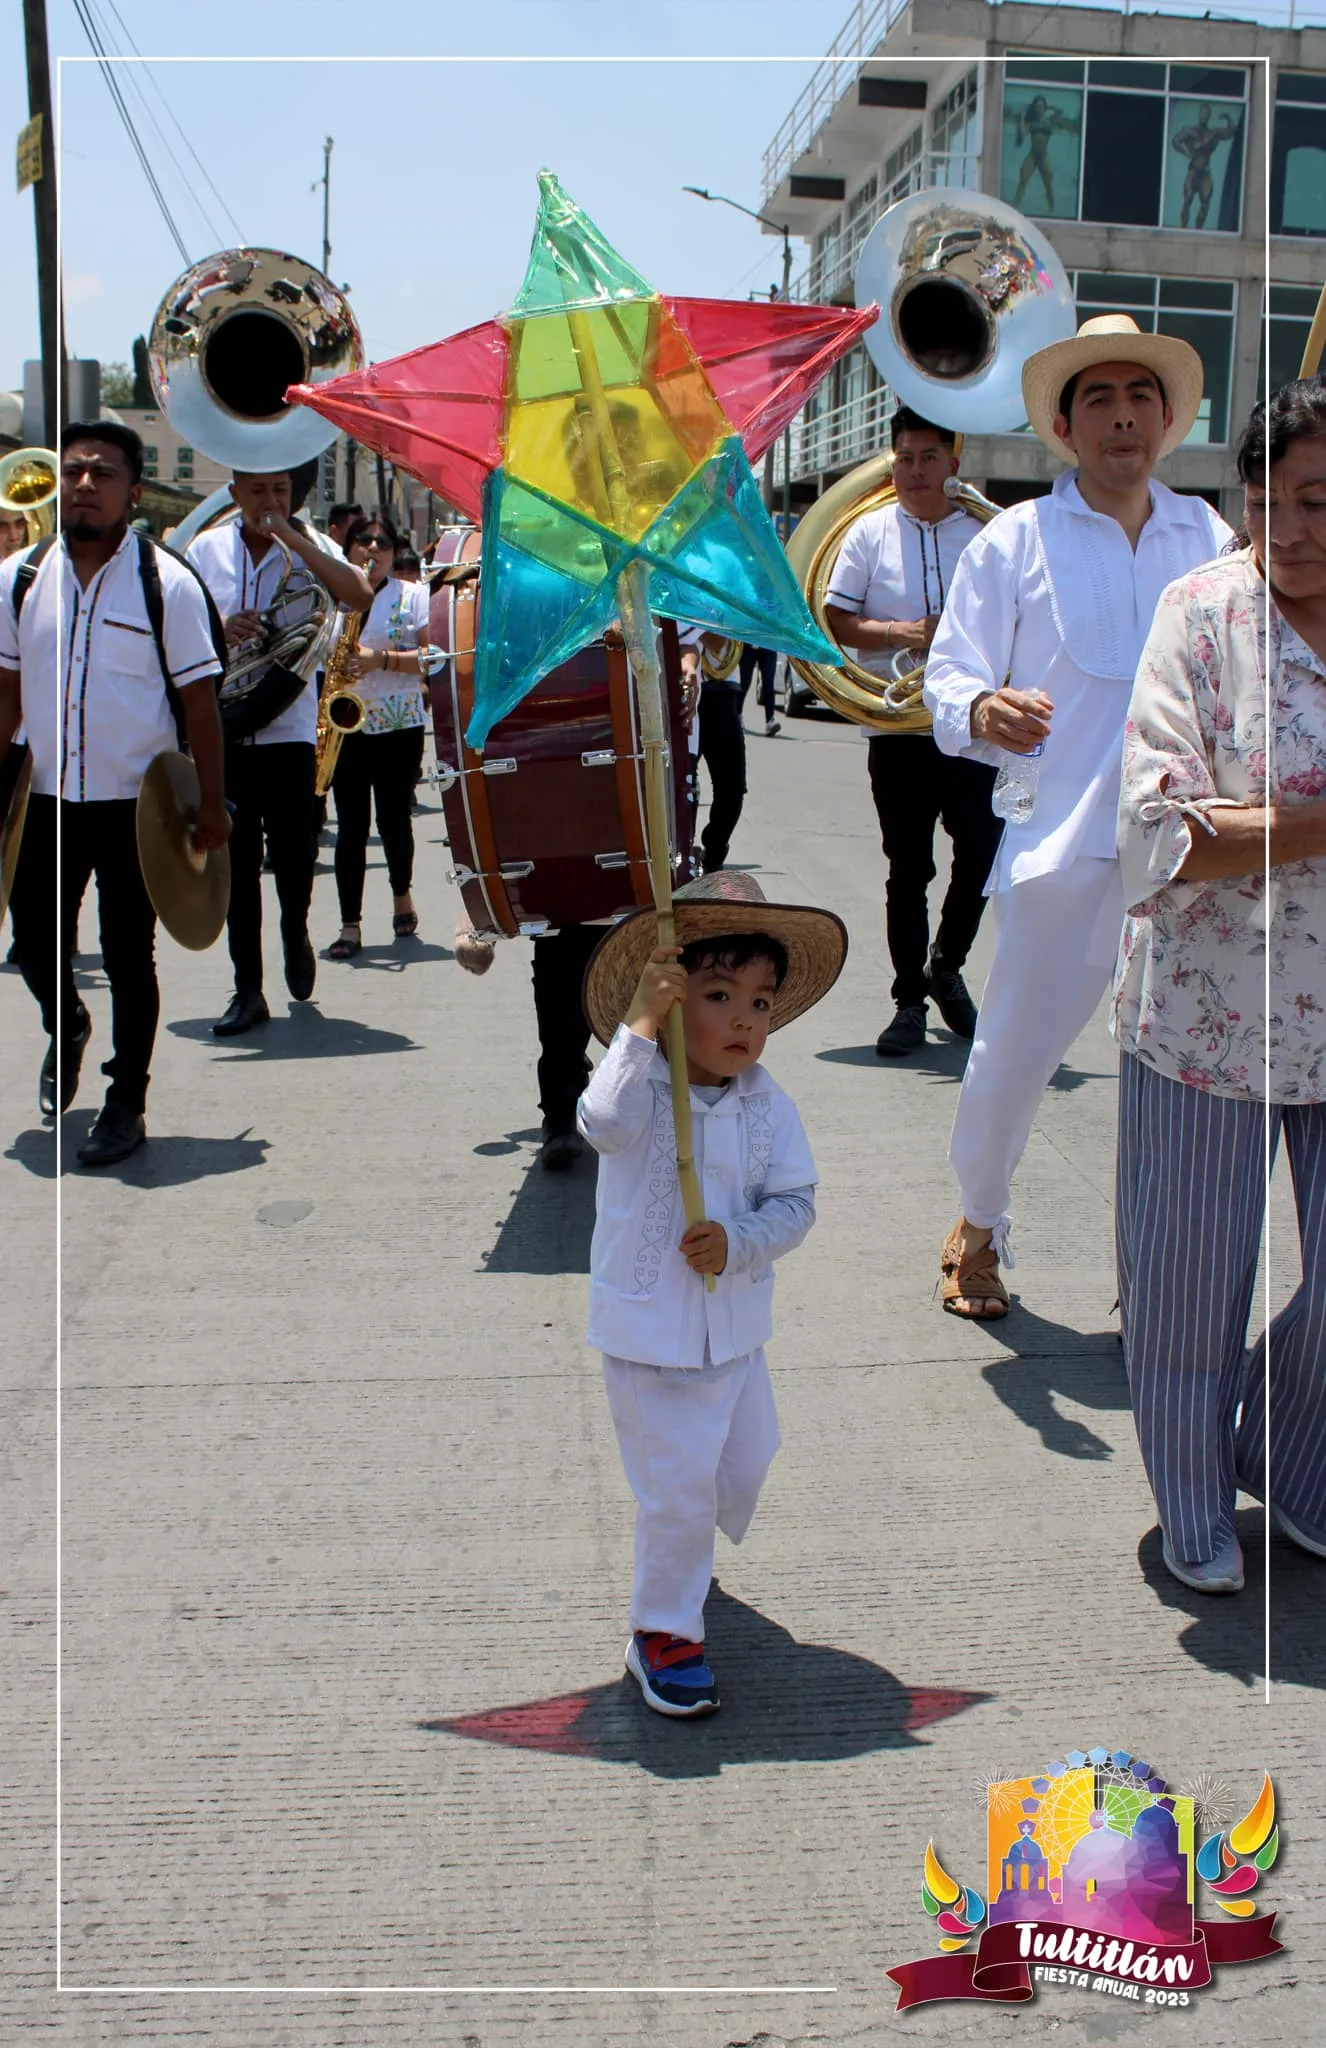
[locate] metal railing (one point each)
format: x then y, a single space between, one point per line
829 275
870 21
839 437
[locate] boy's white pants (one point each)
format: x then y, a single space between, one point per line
696 1444
1056 938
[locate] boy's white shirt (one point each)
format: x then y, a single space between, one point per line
757 1175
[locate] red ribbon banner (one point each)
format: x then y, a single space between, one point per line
999 1972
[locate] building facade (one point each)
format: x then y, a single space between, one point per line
167 459
1161 154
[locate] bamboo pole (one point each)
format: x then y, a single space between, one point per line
1312 354
610 489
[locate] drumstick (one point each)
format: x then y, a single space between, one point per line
610 488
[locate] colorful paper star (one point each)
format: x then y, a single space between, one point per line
595 425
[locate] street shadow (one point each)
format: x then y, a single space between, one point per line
550 1222
946 1057
783 1702
393 956
1045 1360
304 1034
502 1148
167 1162
1227 1632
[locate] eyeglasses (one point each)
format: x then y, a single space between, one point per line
374 540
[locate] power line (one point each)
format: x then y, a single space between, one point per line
107 72
183 135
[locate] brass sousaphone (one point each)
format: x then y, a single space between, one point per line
967 290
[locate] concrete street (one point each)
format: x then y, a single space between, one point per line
343 1550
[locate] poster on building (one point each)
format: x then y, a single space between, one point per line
1204 165
1040 165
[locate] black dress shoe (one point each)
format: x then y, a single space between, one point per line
301 968
560 1151
73 1067
948 992
905 1034
116 1133
246 1008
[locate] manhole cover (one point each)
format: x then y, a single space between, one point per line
281 1213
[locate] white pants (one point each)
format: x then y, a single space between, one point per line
696 1445
1055 943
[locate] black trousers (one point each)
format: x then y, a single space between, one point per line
97 839
723 751
381 768
272 791
564 1034
768 661
915 786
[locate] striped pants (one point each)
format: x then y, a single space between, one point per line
1189 1202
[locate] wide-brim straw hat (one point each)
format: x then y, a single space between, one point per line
715 905
1112 338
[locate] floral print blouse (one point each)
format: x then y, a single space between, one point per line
399 618
1190 986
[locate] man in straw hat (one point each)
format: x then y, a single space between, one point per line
1046 618
685 1370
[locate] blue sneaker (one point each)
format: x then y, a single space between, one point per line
1222 1573
672 1674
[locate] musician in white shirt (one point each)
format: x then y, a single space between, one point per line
269 778
82 666
886 592
1057 596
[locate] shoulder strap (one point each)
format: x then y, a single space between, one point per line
153 597
26 574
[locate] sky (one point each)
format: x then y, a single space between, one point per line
433 169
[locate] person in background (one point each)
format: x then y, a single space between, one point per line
767 660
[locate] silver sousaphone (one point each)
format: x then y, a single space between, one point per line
968 289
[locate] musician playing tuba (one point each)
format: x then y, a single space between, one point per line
885 595
122 661
269 774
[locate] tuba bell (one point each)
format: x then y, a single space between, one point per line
29 485
228 338
968 289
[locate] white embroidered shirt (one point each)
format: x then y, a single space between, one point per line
757 1176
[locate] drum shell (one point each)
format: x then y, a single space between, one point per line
576 822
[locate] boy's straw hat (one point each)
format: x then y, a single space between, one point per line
727 901
1112 338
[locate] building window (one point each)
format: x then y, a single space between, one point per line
1291 307
150 460
184 463
1298 154
1138 145
824 259
1195 311
955 134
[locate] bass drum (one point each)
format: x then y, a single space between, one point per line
547 826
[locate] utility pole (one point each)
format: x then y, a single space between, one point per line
325 182
43 202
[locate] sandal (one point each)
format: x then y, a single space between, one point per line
405 923
345 948
975 1280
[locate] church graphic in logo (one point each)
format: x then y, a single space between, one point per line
1092 1872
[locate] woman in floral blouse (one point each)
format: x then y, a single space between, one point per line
380 763
1204 1084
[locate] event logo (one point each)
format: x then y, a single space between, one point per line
1092 1872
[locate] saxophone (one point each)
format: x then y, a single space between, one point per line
340 709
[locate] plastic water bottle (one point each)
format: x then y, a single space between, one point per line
1014 797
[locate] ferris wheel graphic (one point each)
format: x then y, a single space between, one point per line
1066 1795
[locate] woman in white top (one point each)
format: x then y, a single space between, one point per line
1204 1070
379 765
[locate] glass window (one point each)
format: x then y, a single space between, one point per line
1143 145
1298 154
149 460
1291 307
955 134
1201 314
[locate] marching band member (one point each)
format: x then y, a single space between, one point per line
1209 934
13 533
888 586
13 536
1057 595
379 764
84 621
269 778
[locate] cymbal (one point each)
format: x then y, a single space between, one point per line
190 891
11 828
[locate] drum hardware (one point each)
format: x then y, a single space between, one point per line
504 766
515 870
612 860
605 758
535 928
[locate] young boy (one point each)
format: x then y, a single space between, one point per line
684 1366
